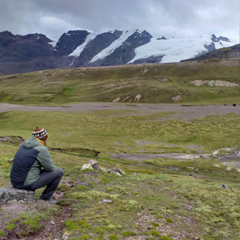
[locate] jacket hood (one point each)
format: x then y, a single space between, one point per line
31 142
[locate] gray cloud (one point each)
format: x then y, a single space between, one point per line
166 17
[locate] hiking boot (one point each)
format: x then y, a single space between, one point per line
50 200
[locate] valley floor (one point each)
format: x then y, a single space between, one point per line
186 112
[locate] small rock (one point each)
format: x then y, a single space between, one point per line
224 186
116 100
177 98
86 166
105 201
138 97
52 222
175 168
65 236
117 171
94 164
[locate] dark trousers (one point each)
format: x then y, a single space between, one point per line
49 179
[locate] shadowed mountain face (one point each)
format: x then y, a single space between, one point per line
80 48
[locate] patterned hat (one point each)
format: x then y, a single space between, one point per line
39 133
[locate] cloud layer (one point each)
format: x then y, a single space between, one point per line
161 18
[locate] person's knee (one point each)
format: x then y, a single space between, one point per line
58 171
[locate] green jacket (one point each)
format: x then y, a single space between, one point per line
31 158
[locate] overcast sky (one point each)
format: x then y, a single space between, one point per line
170 18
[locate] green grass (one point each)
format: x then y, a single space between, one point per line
157 198
151 189
105 84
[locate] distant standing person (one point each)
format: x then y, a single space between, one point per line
33 167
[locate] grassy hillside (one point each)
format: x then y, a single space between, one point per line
157 83
181 177
159 198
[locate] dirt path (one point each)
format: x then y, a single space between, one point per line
182 112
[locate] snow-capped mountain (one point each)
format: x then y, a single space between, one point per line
81 48
177 49
152 50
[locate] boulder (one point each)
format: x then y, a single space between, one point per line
177 98
14 195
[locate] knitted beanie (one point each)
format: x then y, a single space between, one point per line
39 133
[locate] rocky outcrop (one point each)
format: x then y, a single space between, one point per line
13 195
217 39
214 83
126 52
95 46
69 41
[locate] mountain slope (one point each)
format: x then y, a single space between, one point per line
219 54
81 48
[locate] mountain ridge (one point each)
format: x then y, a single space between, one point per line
81 48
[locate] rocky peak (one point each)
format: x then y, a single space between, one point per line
138 38
69 41
95 46
218 39
124 53
162 38
80 48
16 48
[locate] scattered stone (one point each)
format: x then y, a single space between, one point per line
145 70
105 201
65 236
86 166
224 186
52 222
192 168
116 100
138 97
94 164
216 165
177 98
126 98
14 195
214 83
174 168
117 171
165 80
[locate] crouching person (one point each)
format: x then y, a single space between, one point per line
33 167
